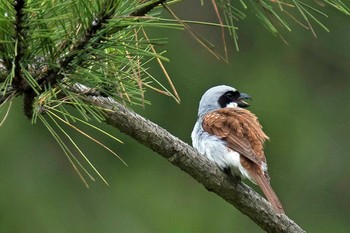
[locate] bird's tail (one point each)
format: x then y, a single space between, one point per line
271 196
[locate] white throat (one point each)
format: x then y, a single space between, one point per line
232 105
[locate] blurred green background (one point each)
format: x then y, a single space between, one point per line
300 93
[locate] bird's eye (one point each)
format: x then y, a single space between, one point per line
232 95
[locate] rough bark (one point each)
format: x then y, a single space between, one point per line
189 160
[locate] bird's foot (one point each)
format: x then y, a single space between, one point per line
232 175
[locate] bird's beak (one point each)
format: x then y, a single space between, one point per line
240 101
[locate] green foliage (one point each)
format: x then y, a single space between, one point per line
51 48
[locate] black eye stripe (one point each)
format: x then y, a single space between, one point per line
232 94
228 97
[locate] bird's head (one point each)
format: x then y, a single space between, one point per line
221 97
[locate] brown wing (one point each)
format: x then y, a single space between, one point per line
240 129
242 132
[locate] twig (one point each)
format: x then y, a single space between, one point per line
147 8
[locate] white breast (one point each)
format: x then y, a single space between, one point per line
215 150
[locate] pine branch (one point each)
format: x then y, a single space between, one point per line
91 37
147 8
20 47
97 25
71 53
20 83
189 160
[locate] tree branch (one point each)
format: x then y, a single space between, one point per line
18 81
189 160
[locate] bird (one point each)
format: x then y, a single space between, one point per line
232 137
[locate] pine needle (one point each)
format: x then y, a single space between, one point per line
8 99
65 149
198 38
177 99
138 72
78 148
88 136
222 28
